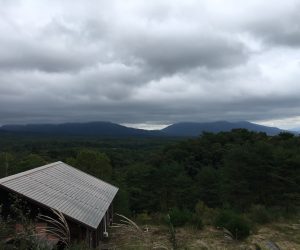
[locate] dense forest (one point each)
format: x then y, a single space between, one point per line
213 176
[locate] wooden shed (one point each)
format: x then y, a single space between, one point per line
85 201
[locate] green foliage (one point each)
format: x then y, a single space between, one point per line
179 217
259 214
71 161
6 162
143 218
121 202
19 210
201 208
5 227
196 221
208 186
94 163
27 237
139 178
172 231
31 161
206 214
237 225
237 168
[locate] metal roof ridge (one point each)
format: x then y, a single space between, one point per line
30 171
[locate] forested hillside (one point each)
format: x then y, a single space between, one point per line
237 172
237 168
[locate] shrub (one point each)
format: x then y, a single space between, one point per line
158 218
259 214
223 217
196 221
206 214
238 226
201 208
179 217
143 218
172 231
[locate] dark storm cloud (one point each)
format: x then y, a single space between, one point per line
171 53
148 62
51 51
29 57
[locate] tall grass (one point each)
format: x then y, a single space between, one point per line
143 238
58 227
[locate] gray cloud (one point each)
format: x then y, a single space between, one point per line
281 27
175 52
149 62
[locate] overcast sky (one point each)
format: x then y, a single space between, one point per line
150 63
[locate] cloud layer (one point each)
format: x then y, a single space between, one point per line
149 62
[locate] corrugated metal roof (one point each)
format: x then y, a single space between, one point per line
66 189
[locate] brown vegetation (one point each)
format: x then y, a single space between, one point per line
285 235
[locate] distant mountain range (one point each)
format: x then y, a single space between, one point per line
115 130
296 129
80 129
195 128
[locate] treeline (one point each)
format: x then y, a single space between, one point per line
232 180
234 171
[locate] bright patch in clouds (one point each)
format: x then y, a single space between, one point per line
145 126
287 123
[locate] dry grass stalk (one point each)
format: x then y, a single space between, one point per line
129 222
227 234
58 228
143 237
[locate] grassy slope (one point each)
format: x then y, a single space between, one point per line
285 235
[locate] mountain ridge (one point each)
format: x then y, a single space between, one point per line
105 128
196 128
102 128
